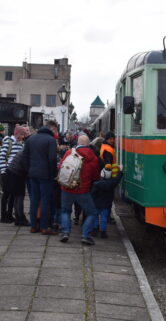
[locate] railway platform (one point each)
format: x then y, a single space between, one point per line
42 279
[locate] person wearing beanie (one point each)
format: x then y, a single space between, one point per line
11 146
108 156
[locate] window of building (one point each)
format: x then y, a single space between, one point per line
11 96
161 100
8 75
137 93
35 100
51 100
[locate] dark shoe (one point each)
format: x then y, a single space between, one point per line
48 232
88 241
103 235
55 227
11 218
95 232
76 221
21 221
111 220
7 220
64 237
34 230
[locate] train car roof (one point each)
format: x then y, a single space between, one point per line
143 58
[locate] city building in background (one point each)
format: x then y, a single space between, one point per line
37 85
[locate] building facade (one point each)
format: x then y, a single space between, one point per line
96 108
37 85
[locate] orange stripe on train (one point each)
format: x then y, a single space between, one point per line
148 147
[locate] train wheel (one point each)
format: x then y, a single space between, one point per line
139 212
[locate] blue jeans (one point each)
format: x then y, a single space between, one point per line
102 218
86 202
41 190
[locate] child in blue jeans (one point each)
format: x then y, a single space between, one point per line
103 195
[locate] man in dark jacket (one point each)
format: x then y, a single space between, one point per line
40 160
81 194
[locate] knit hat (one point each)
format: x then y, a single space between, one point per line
1 128
109 135
19 130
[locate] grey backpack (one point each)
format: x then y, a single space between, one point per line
69 173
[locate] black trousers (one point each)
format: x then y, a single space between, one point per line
7 200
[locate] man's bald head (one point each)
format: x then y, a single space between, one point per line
83 140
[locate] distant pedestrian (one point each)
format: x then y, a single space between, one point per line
81 194
11 146
16 185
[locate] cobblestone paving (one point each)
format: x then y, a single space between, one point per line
42 279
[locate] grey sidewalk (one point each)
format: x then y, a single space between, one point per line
42 279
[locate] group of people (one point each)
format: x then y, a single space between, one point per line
33 160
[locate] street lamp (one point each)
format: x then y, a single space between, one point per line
63 94
70 108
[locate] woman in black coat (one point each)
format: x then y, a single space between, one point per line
16 177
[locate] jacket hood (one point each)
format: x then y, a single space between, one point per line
86 152
45 130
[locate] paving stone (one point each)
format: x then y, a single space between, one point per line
28 248
112 260
44 316
12 316
109 277
15 275
63 262
23 255
126 270
21 262
109 254
64 250
29 242
54 241
4 232
7 227
16 290
5 242
60 292
122 312
14 303
119 298
116 283
3 249
108 319
58 305
36 237
65 277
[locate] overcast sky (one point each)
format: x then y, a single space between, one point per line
97 36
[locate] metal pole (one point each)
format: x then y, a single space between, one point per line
63 111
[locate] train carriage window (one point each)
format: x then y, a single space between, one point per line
161 100
137 93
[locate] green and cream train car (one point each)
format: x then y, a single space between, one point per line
140 109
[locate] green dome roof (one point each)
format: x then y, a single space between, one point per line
97 102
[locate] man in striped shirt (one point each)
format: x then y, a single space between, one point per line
11 145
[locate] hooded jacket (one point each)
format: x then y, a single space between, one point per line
40 156
90 170
103 191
